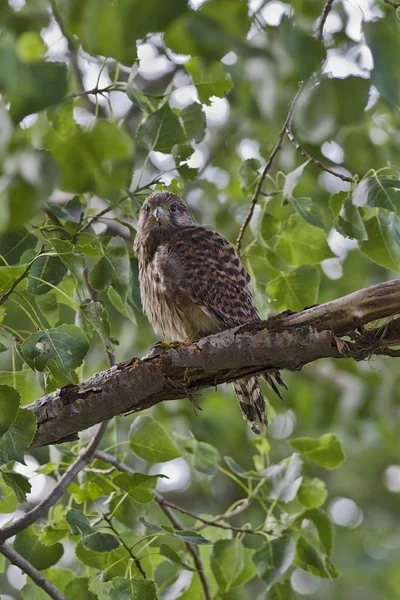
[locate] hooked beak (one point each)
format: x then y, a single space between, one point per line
159 213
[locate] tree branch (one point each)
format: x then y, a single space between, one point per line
324 16
313 160
166 508
41 509
287 341
266 170
19 561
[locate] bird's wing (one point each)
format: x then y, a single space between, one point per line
211 275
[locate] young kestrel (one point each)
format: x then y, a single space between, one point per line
193 284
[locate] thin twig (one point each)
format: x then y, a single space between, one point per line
391 3
121 466
19 561
56 221
190 547
314 161
15 283
327 9
129 550
210 522
41 509
266 170
96 91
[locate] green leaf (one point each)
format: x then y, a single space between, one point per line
91 539
27 543
113 563
51 534
85 492
71 211
308 210
18 483
113 268
9 275
349 222
325 106
3 348
300 243
249 174
73 261
312 492
194 121
78 589
383 38
379 192
139 486
15 243
292 179
192 537
112 30
307 558
325 451
47 268
8 499
227 560
248 572
120 305
270 226
66 346
29 87
132 589
9 405
295 289
18 437
98 318
24 382
274 558
283 479
383 244
173 557
209 79
183 534
282 591
205 457
323 526
95 160
151 442
161 131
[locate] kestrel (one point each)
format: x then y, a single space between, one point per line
193 284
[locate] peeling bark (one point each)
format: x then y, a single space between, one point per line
287 341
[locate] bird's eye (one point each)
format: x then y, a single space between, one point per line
173 208
146 208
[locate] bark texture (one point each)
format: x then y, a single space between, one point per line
289 341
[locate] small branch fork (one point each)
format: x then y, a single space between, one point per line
286 130
166 507
265 172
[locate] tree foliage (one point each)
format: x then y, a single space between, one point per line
279 124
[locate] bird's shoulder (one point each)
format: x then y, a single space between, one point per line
199 246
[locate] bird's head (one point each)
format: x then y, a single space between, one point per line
163 210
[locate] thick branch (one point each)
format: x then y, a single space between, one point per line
16 559
287 341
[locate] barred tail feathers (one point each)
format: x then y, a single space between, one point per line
273 378
251 402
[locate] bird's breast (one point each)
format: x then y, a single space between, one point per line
172 313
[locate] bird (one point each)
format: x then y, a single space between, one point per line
193 284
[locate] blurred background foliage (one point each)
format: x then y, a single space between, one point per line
103 101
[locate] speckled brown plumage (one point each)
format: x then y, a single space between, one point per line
192 284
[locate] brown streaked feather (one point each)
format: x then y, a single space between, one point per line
193 284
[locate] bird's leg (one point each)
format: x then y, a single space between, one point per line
167 345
